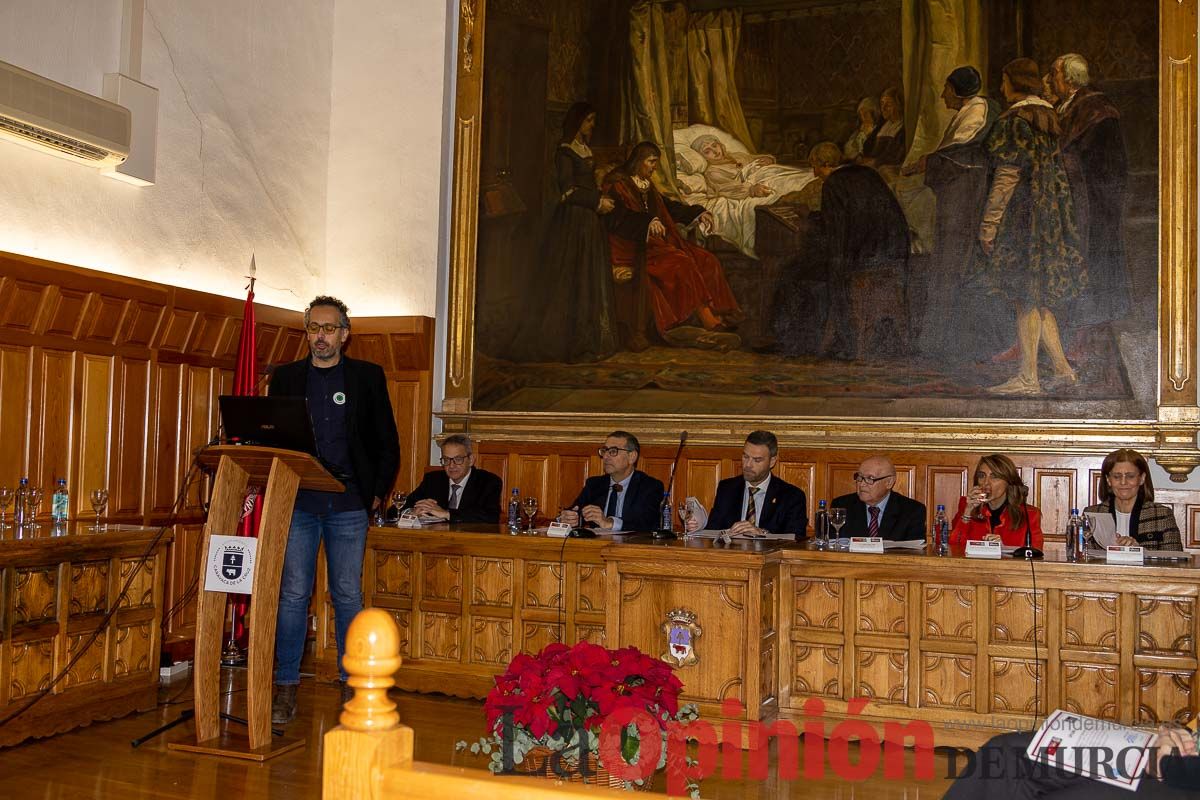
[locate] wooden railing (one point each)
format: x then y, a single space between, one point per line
370 754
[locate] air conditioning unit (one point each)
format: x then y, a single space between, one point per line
54 118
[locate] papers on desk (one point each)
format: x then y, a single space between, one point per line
726 535
904 544
413 521
1071 741
1104 528
1148 555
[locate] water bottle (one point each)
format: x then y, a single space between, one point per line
1075 537
821 526
665 517
60 505
20 517
941 531
514 511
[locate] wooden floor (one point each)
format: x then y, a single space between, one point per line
98 761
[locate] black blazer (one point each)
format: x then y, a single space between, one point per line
371 428
785 508
642 500
903 518
480 501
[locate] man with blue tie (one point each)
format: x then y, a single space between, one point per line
623 499
758 502
875 510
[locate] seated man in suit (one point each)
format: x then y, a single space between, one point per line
623 498
758 502
875 510
459 493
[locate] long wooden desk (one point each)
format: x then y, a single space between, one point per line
56 591
949 641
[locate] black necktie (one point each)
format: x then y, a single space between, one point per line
613 491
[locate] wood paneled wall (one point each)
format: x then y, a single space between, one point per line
111 381
554 473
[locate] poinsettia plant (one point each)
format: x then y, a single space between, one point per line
562 698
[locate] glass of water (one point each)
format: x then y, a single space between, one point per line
837 518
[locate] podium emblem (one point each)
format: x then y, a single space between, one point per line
681 631
231 564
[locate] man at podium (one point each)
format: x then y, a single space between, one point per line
356 438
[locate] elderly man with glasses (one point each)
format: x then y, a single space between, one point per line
460 492
623 499
356 436
875 510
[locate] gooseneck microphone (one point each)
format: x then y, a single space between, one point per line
1028 551
664 531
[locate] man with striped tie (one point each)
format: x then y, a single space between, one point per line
875 510
757 501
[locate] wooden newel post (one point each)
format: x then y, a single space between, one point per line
370 738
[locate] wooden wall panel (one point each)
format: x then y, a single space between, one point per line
53 446
111 381
128 476
15 381
92 470
164 479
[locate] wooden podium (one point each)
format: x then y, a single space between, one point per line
282 473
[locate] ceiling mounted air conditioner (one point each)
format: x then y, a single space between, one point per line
57 119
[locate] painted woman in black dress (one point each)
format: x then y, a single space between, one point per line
570 314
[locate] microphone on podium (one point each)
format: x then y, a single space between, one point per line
664 531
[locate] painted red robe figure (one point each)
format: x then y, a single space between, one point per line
685 279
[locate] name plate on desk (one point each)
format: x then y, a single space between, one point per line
866 544
559 530
1118 554
979 548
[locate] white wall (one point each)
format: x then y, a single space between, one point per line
385 165
244 95
306 132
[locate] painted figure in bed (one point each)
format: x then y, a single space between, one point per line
686 281
725 174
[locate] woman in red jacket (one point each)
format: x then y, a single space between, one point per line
995 506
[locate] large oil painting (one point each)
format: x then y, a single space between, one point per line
862 208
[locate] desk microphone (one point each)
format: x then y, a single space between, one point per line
664 531
1027 551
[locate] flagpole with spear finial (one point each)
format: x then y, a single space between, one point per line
244 383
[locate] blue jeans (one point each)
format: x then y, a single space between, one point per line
345 537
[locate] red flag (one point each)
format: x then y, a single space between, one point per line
245 383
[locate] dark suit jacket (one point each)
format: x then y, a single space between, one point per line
642 499
371 428
480 501
903 518
785 508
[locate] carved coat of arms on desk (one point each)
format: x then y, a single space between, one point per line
682 632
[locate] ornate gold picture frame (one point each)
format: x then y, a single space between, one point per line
1168 431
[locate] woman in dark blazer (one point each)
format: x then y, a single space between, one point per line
1128 496
995 507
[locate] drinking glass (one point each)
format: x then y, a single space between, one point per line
685 514
984 510
837 518
33 501
99 498
6 498
530 507
393 513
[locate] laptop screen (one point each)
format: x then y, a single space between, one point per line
281 422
